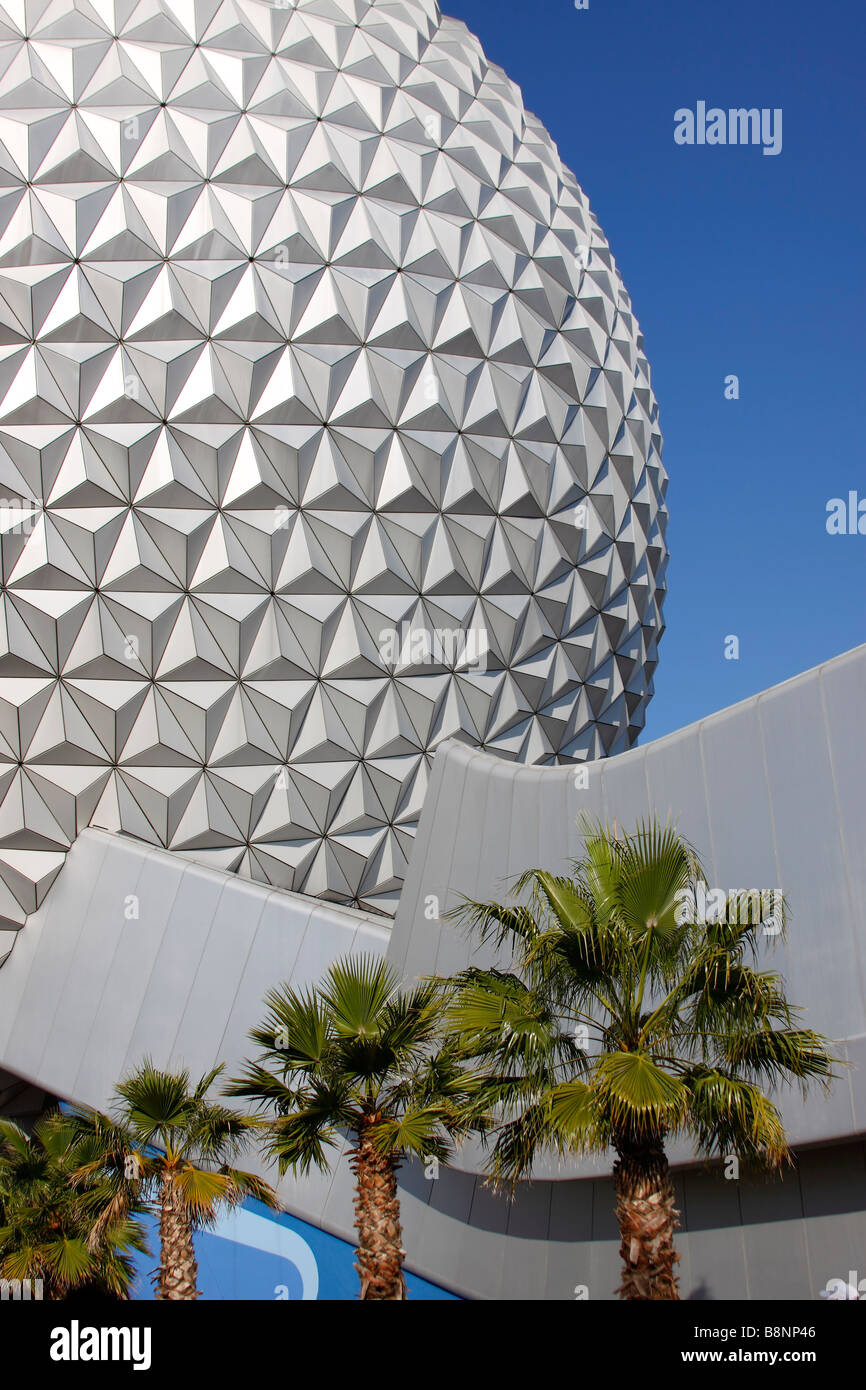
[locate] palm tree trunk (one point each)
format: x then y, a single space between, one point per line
647 1220
178 1267
377 1221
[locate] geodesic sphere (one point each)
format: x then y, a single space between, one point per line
325 434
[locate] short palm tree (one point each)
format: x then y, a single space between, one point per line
59 1227
618 1022
168 1144
358 1057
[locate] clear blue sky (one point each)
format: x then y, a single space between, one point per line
736 263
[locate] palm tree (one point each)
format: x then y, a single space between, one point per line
358 1057
168 1144
620 1021
57 1226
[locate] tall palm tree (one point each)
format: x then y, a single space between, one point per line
168 1144
357 1057
57 1226
620 1021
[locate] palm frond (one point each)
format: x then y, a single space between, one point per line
730 1116
154 1102
356 993
779 1054
496 922
637 1094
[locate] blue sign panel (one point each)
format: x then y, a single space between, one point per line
254 1253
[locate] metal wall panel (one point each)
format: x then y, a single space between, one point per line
757 789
